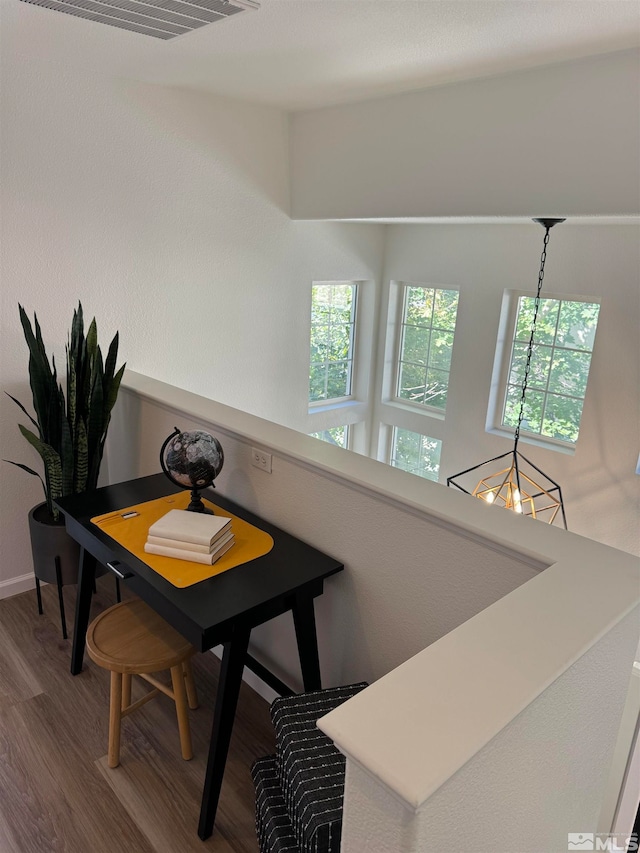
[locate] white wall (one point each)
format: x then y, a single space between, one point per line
166 213
600 487
560 140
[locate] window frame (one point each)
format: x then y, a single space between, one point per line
352 366
353 411
502 369
398 340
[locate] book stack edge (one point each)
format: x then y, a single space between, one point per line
191 536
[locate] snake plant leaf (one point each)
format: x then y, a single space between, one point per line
29 471
77 330
52 467
67 458
95 423
92 339
71 392
40 374
112 392
34 342
18 403
82 458
84 375
110 363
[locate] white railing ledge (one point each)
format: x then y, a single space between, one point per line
419 724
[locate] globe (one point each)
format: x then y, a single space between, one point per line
192 460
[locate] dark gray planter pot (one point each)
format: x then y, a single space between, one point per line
49 539
56 556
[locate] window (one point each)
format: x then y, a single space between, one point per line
381 392
335 435
333 308
428 324
561 357
416 453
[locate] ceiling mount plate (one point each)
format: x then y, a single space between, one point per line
549 223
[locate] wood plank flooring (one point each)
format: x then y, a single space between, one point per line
57 793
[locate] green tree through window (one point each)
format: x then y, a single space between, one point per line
428 325
332 330
561 357
335 435
416 453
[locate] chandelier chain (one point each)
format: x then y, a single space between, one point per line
527 366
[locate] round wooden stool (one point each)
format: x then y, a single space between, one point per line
131 639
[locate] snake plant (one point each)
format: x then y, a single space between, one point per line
72 427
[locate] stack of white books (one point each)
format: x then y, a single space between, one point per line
190 536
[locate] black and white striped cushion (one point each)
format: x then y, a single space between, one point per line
274 831
310 768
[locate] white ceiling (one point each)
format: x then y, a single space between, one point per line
298 54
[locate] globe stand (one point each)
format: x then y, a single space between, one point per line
196 504
192 460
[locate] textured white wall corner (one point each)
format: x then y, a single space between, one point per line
620 804
540 778
560 140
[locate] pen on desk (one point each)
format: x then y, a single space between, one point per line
117 516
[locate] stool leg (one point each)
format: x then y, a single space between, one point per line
189 683
115 718
39 594
126 690
180 697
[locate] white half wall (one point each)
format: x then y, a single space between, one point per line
561 140
543 776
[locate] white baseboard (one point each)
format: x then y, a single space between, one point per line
14 586
250 678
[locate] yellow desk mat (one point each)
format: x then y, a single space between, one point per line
131 532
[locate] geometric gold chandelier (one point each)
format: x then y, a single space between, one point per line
519 485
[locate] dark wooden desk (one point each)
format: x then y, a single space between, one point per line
221 610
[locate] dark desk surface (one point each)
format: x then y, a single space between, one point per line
202 611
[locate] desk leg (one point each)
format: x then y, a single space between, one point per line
304 620
233 660
86 579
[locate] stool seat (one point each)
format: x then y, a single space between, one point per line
131 639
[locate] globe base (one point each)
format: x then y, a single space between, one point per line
196 504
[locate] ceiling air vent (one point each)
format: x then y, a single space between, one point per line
162 19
